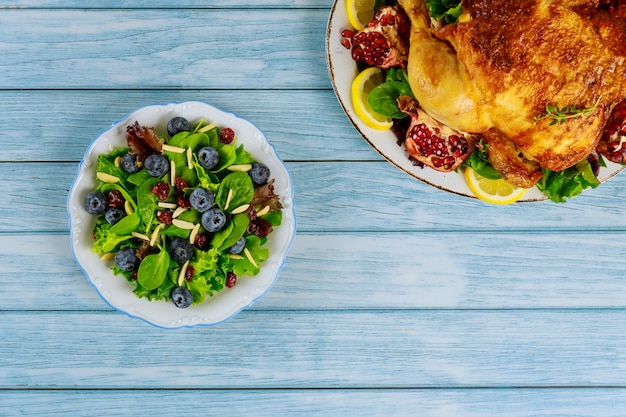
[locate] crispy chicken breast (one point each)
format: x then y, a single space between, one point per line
495 71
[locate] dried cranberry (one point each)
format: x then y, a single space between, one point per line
180 184
133 276
202 241
227 135
161 190
189 273
115 199
183 202
259 227
231 280
165 217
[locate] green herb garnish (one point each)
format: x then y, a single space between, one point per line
446 10
561 115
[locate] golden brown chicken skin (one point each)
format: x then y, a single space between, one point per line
498 68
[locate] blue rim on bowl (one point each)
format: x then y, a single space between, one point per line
116 290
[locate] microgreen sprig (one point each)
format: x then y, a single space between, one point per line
561 115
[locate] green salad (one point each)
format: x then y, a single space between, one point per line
182 215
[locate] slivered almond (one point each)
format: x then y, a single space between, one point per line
263 211
173 149
228 198
194 233
240 168
189 158
249 256
206 128
178 212
183 224
234 256
107 256
166 205
172 173
181 275
240 209
117 161
128 208
140 236
108 178
155 234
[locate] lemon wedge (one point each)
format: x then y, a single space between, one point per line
361 87
360 12
492 191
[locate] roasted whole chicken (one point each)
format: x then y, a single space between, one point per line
496 73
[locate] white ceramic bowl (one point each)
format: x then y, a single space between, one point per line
116 290
343 70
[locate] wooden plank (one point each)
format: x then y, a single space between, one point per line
318 349
332 197
65 122
369 271
165 4
364 403
163 49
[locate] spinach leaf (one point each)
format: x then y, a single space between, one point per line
127 225
153 270
242 190
383 99
147 203
229 235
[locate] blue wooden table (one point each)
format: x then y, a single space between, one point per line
397 299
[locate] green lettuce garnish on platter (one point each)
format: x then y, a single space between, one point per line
446 10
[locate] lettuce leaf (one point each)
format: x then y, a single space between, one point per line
559 186
447 10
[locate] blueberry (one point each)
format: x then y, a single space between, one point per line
176 125
114 215
208 157
238 246
181 250
260 173
156 165
182 297
129 163
213 219
96 202
126 260
201 199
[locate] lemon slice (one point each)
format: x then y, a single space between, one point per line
360 12
492 191
361 87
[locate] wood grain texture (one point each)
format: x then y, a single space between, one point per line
321 403
165 4
336 271
330 197
397 299
60 125
159 49
318 349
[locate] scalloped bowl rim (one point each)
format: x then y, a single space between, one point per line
116 290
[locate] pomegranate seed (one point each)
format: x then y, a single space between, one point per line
161 190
